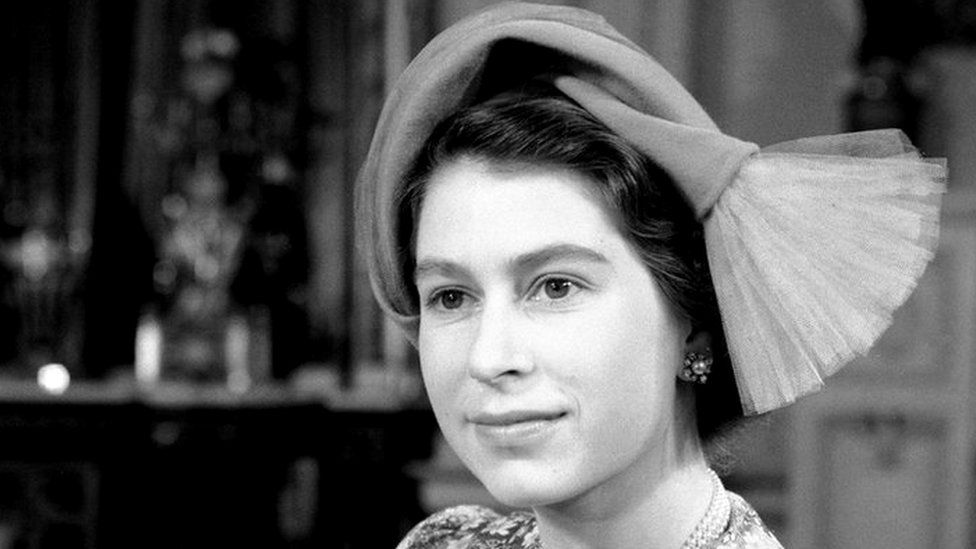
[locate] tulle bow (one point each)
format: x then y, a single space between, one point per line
812 247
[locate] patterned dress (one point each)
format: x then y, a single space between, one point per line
474 527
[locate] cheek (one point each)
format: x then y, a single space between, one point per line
629 340
442 368
626 359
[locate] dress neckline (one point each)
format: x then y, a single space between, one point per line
716 519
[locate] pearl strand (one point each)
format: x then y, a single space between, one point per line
716 518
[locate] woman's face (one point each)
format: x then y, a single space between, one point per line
548 351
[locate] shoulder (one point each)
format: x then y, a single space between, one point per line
472 527
746 530
448 528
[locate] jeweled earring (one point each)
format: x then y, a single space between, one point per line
696 367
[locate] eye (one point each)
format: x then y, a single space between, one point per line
555 289
449 299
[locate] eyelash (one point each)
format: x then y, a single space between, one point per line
435 300
541 286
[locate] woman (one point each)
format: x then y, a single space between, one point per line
546 211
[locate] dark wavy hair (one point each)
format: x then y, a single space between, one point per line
538 125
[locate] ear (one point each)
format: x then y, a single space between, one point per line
698 341
695 366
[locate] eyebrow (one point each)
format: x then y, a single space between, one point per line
522 263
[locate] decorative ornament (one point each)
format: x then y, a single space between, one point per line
696 367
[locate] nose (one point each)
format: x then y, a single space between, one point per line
496 353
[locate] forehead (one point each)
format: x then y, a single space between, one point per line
471 207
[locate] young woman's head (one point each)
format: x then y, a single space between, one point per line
560 280
532 243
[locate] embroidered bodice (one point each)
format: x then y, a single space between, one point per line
729 523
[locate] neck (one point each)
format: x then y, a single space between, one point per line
655 503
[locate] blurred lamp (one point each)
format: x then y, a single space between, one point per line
53 378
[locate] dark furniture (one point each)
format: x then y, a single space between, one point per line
105 468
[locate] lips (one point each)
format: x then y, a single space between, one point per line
513 417
516 428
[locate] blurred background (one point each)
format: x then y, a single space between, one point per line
189 351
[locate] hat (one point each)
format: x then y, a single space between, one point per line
812 244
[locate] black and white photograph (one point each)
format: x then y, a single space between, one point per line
482 274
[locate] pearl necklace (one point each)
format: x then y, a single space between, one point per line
716 518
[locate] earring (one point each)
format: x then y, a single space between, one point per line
696 367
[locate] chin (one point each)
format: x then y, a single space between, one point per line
523 498
528 488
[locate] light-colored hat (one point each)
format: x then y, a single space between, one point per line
812 244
